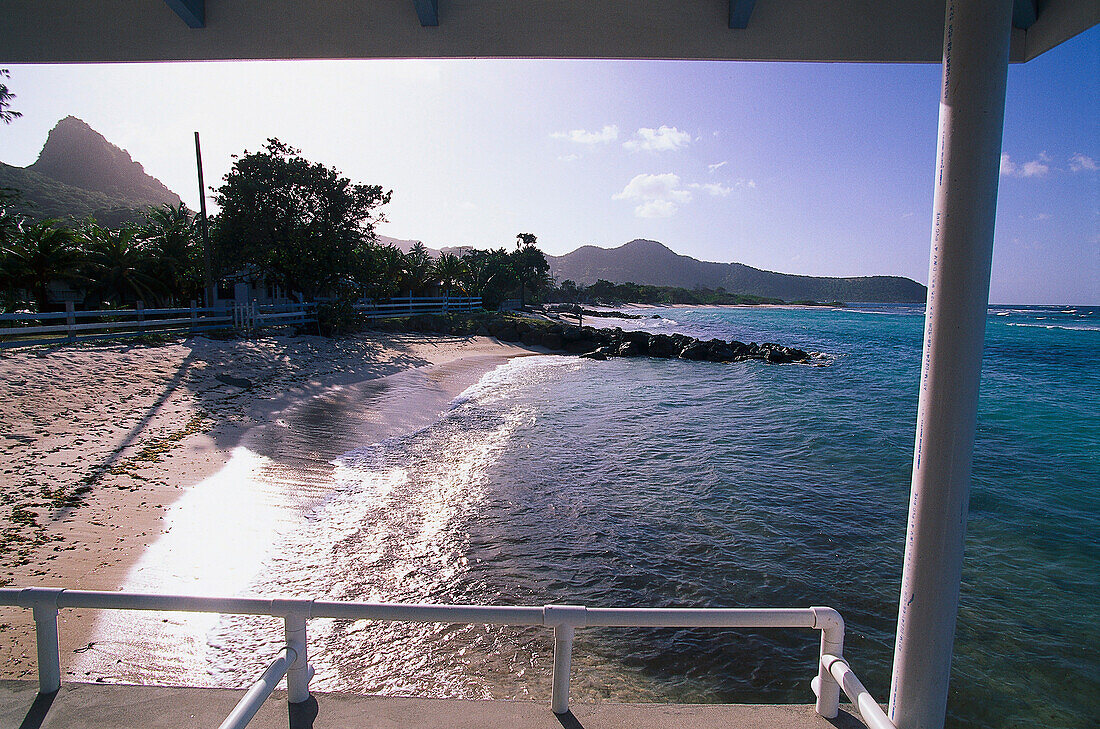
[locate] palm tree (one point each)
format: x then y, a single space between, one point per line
389 268
450 271
487 268
531 266
170 241
38 253
418 268
118 266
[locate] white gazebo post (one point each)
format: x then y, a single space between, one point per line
975 67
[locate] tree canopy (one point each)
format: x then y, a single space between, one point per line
531 267
297 223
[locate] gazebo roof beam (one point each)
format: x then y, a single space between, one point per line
193 12
427 11
1024 13
740 12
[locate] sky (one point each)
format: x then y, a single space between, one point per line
820 169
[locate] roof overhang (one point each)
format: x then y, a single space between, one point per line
66 31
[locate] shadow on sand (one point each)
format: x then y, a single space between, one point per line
237 384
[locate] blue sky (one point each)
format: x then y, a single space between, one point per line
803 168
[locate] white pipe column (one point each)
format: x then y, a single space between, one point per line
975 67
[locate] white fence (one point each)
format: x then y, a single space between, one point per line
55 327
411 306
833 672
22 329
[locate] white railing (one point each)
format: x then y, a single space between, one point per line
833 672
413 305
111 323
873 715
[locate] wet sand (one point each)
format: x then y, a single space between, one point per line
98 441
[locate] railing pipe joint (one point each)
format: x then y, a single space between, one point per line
831 625
575 616
284 607
298 672
33 597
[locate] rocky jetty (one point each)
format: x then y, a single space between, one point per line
578 310
596 343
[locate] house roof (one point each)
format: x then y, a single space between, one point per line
63 31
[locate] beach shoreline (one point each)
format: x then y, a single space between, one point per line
101 440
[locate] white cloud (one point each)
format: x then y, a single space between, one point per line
569 157
1043 216
609 133
1082 163
1035 168
714 188
717 166
660 196
662 139
657 196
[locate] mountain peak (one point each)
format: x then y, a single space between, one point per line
77 155
644 246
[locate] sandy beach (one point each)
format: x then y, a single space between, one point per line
100 440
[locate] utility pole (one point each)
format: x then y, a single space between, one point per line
207 279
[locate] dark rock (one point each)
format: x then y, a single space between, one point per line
242 382
661 345
571 334
779 354
719 351
599 354
578 346
529 336
696 351
482 331
552 340
628 349
740 350
508 334
610 314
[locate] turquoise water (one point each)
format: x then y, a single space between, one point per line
653 482
645 482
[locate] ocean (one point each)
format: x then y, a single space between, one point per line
645 482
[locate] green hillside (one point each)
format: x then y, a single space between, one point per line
649 263
43 197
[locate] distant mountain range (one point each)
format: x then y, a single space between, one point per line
652 263
406 245
79 174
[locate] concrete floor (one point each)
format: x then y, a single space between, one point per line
103 706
